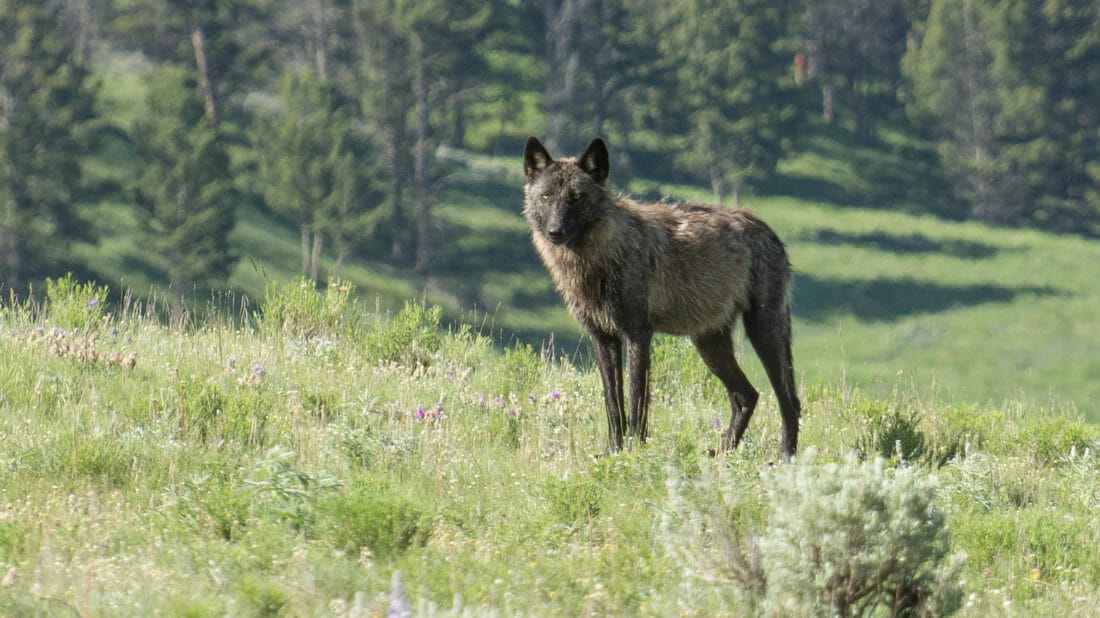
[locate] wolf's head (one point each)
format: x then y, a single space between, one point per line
563 198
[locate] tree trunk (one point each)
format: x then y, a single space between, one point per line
305 251
198 42
320 41
561 57
716 185
341 254
315 259
422 164
11 278
397 249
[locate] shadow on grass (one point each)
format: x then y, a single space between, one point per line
903 243
889 299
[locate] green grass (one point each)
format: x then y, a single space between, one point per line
885 295
973 313
291 467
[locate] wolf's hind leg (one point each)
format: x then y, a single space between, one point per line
717 352
770 334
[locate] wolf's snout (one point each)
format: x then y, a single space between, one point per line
556 233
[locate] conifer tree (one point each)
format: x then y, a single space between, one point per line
184 190
317 170
46 117
736 92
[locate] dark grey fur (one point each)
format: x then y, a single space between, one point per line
627 270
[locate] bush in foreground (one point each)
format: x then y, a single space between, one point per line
845 538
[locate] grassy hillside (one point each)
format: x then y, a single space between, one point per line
323 460
881 298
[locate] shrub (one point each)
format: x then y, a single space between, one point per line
70 304
287 491
410 338
368 517
850 538
843 539
297 309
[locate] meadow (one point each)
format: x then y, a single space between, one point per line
309 455
886 291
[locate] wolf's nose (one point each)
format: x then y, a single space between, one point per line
556 234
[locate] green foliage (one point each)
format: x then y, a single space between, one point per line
263 597
316 168
75 305
184 189
893 436
409 339
735 94
287 491
573 501
111 475
367 517
298 309
521 368
843 539
47 120
1000 85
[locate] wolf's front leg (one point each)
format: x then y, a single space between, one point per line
608 351
638 345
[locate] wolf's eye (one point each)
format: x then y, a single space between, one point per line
545 197
574 196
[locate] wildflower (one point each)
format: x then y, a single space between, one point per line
232 361
258 370
533 397
92 303
419 413
399 605
555 394
717 422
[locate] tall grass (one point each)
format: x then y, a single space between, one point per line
317 458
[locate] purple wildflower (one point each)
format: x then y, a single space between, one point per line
399 605
717 422
419 413
555 394
439 410
258 369
92 303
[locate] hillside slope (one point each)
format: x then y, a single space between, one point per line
325 461
881 297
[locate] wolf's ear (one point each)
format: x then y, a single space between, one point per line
535 158
595 161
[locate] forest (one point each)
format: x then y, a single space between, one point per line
337 117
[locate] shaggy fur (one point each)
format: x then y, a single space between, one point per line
627 270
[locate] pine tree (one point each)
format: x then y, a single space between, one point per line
46 117
735 90
1009 90
855 47
412 51
184 189
317 170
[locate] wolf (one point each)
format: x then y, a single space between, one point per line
627 270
